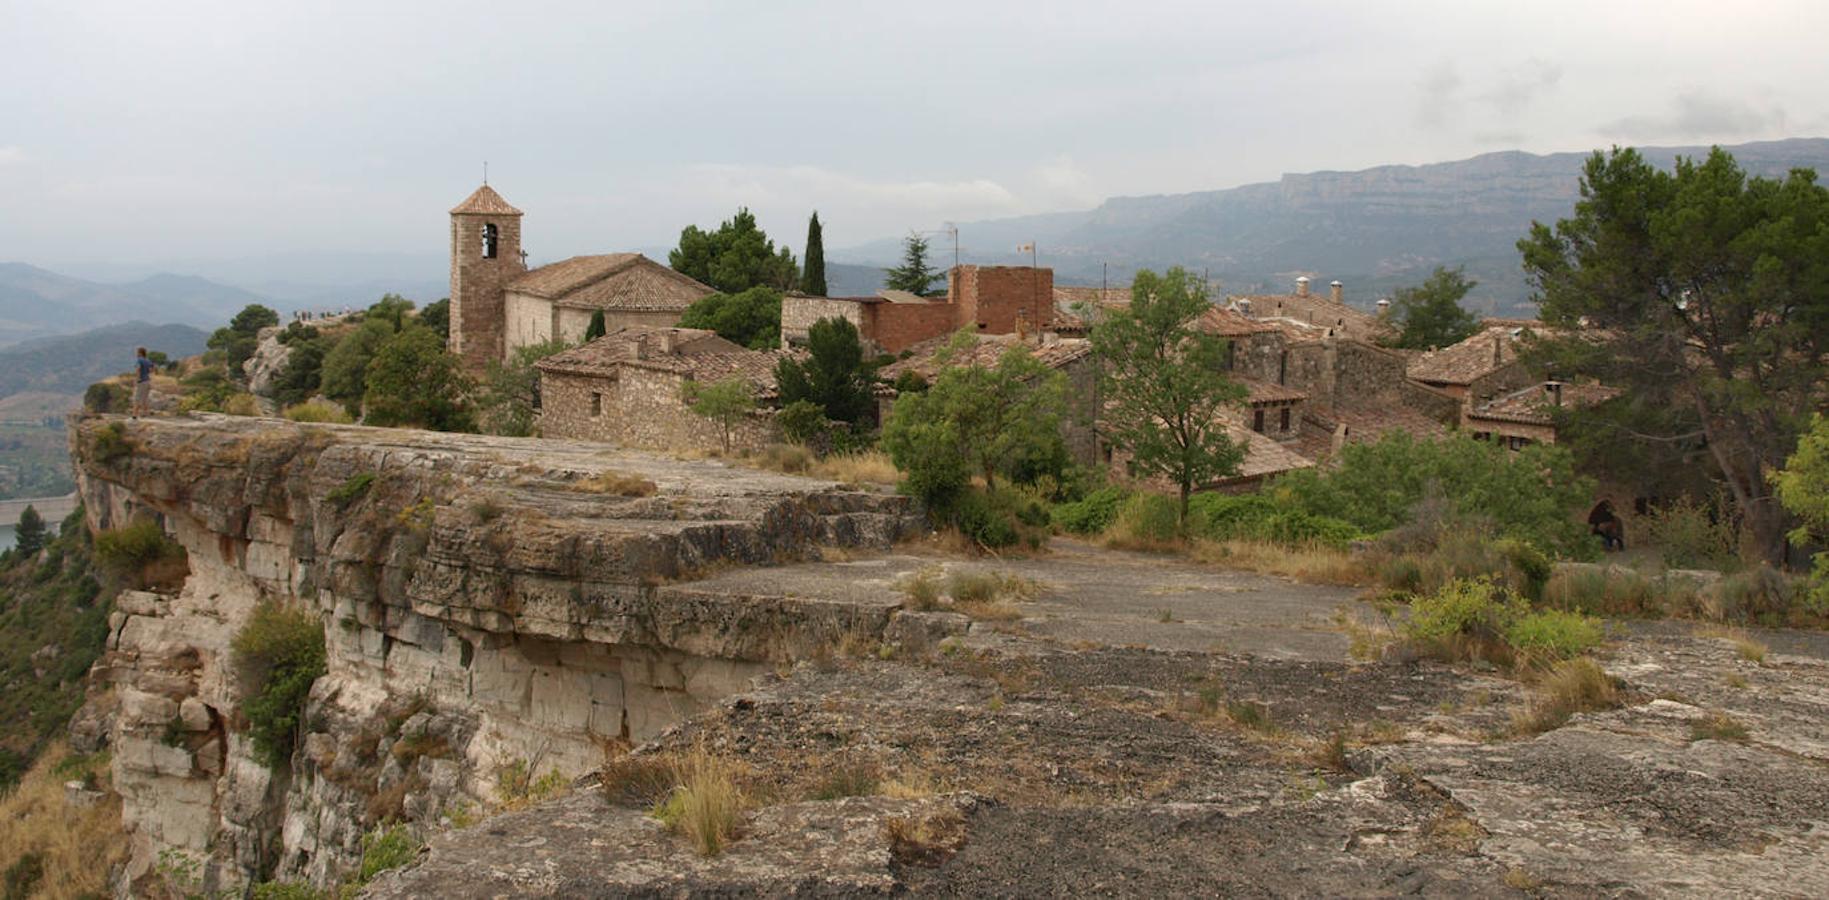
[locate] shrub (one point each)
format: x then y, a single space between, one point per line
1575 685
1530 567
803 422
1762 594
384 849
922 588
1258 517
141 552
977 517
1609 591
516 786
287 890
1692 535
107 397
706 803
352 489
318 411
1146 522
1553 634
620 484
241 405
1474 608
277 654
1091 514
793 459
111 443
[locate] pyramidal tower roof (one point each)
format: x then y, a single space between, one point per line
485 202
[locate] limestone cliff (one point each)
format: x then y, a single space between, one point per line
491 607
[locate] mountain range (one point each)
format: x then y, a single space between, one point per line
1374 230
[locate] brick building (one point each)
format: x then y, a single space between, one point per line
989 299
498 305
626 388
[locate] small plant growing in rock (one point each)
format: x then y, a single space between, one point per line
277 654
353 488
615 483
141 553
111 443
516 787
1717 726
925 840
384 849
922 588
1575 685
706 803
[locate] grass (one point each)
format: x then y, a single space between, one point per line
861 467
988 596
318 411
706 803
516 786
846 779
925 840
1573 686
142 555
1717 726
620 484
384 849
50 848
923 588
1745 645
353 488
1309 563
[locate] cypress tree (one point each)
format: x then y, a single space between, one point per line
30 535
813 279
597 328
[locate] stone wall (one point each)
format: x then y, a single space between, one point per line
529 320
574 322
478 316
799 313
641 408
481 613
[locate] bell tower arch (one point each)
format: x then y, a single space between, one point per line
485 256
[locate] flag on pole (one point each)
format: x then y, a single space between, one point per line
1026 248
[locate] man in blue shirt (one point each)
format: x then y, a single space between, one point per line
142 385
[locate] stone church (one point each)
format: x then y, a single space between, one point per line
498 304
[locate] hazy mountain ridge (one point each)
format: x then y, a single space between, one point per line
1374 229
68 364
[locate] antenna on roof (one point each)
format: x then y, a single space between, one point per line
485 171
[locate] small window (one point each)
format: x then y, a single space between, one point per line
1257 421
1231 355
596 404
490 239
1282 368
1285 418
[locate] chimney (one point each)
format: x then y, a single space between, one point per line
1555 389
1384 306
1244 306
641 346
1337 291
1302 286
666 342
1498 350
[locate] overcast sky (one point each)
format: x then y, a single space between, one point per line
139 131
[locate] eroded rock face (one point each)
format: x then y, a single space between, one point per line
485 608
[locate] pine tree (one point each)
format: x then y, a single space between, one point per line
597 328
29 536
914 274
813 273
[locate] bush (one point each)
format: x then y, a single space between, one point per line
978 517
1609 591
384 849
792 459
802 421
1091 514
141 552
241 405
706 803
1146 522
277 654
1474 608
1761 594
318 411
107 397
1258 517
1691 535
352 489
1553 634
111 443
1574 685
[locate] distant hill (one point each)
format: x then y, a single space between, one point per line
68 364
1375 229
36 302
843 280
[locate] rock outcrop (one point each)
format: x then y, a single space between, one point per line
492 608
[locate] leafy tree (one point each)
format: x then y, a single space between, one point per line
510 392
724 402
914 274
238 340
802 421
437 316
303 374
834 375
1701 290
736 257
392 308
1164 383
1430 315
813 262
414 381
597 328
751 318
344 375
1803 488
992 419
29 536
253 318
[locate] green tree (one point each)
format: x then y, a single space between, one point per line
1430 315
1165 390
509 396
344 375
736 257
413 381
724 402
238 340
29 535
303 373
914 274
597 328
1702 290
437 316
990 419
813 262
1803 488
834 374
751 318
392 308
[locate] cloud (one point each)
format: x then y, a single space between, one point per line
1062 183
1520 85
1440 86
12 155
1697 115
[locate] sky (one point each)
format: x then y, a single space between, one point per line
140 132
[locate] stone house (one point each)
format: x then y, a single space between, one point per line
989 299
626 388
1479 368
1332 314
498 305
1527 416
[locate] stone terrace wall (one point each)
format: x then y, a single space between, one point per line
641 408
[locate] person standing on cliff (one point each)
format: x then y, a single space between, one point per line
142 385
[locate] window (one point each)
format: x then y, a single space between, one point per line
1282 368
1257 421
596 404
1231 355
1285 418
490 239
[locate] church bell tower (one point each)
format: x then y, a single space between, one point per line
485 256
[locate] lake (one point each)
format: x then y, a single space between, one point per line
6 536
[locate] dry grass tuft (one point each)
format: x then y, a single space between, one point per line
70 849
1314 563
1748 647
1451 830
706 803
620 484
1330 754
1573 686
926 840
1717 726
864 467
638 781
923 588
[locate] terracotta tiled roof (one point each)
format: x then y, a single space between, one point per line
1364 424
1230 323
1488 350
619 281
1265 392
485 201
1264 456
1533 405
985 351
1317 311
697 354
